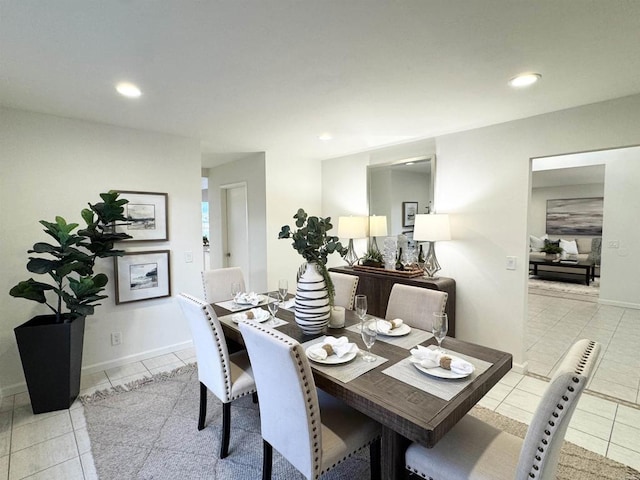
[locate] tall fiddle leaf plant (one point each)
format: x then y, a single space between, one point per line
70 261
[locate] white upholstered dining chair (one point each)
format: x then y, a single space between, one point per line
217 283
311 429
345 288
228 376
415 305
476 450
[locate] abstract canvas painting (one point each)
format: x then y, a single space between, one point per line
575 216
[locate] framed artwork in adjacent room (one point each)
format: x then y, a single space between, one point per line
142 276
146 215
409 211
575 216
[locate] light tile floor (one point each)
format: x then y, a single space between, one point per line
555 323
56 445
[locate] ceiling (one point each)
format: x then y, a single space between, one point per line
272 75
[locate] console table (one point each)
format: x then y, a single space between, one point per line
377 288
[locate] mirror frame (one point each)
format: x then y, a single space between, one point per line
383 165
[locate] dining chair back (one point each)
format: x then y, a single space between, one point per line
217 283
415 305
476 450
345 287
309 428
228 376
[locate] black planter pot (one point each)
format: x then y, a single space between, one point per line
51 355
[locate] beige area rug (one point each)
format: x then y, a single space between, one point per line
148 430
575 291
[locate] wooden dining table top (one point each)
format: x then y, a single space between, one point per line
405 412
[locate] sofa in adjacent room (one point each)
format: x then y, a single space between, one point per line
581 248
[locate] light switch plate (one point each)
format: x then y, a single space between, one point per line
511 263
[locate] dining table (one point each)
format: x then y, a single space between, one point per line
410 405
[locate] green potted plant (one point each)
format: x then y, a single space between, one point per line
552 249
372 258
315 290
51 345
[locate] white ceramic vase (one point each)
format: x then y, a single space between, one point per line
312 309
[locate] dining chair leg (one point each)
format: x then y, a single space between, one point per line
267 458
203 406
226 429
374 459
255 397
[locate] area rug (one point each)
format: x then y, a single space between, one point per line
564 289
148 430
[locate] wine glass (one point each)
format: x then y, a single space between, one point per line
235 291
283 289
274 301
361 306
369 333
440 328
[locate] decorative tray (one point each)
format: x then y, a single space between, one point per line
391 273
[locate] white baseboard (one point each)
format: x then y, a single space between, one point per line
98 367
521 368
615 303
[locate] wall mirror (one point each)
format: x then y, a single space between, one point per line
395 188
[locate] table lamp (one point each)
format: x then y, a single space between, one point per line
352 227
377 228
431 228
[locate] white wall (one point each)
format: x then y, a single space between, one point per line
619 280
54 166
539 197
249 170
483 181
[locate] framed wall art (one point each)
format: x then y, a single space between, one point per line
146 215
575 216
409 211
142 276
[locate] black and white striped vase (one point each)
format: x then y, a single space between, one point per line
312 309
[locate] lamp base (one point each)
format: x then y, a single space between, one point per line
351 257
431 265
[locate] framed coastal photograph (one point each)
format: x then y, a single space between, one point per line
409 211
146 215
142 276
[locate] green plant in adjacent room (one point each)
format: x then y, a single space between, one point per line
314 244
70 261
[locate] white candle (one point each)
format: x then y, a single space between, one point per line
336 320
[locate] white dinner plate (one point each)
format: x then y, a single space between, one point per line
262 316
334 359
401 331
441 372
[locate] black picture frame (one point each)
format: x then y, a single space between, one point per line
409 212
147 216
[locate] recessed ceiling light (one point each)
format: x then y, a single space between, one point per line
525 79
325 137
410 163
128 90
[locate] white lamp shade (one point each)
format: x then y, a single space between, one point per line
378 226
432 228
352 227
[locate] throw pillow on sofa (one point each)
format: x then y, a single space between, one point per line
535 243
570 247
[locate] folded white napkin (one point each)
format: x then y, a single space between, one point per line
385 326
287 304
252 297
256 314
340 346
429 358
